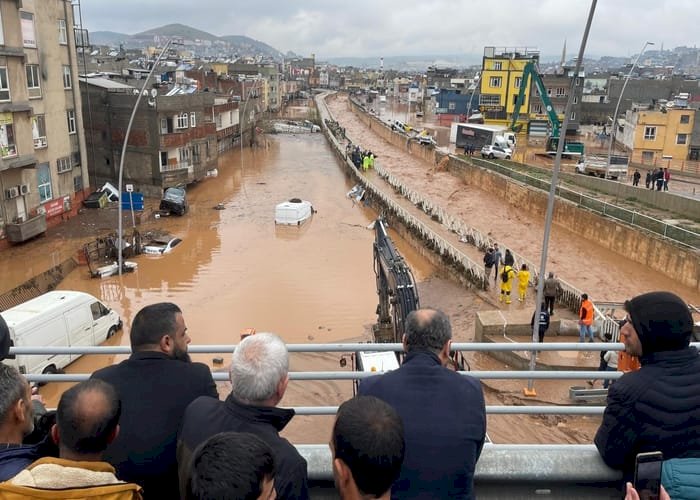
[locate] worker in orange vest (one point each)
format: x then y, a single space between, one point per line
585 321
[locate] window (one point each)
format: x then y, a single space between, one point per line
489 100
573 115
451 106
2 34
647 157
70 114
7 136
682 139
649 133
67 79
537 109
495 81
28 36
515 99
184 155
217 120
163 159
62 33
181 121
518 81
575 101
193 122
39 131
44 182
498 65
33 80
577 82
195 152
63 165
561 92
4 85
78 183
685 118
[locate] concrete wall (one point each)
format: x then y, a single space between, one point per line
678 263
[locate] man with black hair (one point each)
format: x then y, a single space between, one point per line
16 422
368 448
155 385
232 466
656 408
443 412
87 421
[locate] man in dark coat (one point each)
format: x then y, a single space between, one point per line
259 378
155 386
443 412
656 408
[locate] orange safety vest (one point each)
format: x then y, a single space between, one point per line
587 309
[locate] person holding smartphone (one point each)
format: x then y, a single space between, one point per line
656 408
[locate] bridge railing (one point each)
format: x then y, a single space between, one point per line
503 471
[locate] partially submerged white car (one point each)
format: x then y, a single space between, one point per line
293 212
161 247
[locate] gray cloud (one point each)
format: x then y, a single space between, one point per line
411 27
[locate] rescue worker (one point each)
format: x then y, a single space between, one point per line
585 321
365 162
371 160
506 284
523 281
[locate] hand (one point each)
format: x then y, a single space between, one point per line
631 493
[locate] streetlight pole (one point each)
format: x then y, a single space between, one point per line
471 96
617 107
121 160
241 116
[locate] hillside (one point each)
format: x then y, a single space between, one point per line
237 45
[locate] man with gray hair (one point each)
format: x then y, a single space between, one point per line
443 413
259 378
16 422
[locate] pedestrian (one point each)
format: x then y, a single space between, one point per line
652 181
659 180
636 177
667 177
656 408
585 321
497 261
507 277
611 366
523 281
647 180
508 258
489 261
551 289
543 323
603 365
371 159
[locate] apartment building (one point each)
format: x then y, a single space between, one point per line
660 135
43 175
501 76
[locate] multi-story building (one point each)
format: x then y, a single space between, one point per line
659 135
43 174
172 141
558 86
501 75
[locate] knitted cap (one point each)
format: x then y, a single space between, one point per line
662 321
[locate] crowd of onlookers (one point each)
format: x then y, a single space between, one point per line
153 425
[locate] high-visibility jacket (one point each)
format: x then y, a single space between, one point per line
585 314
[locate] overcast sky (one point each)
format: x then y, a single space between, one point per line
374 28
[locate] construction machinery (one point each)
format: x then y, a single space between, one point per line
571 148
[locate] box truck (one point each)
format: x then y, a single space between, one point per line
58 319
478 136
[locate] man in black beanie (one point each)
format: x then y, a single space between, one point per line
656 408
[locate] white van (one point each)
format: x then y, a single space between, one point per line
58 319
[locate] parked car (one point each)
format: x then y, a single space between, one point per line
427 140
174 201
490 151
160 247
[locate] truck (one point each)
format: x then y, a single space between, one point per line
571 148
57 319
597 165
478 136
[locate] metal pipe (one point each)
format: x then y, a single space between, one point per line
121 160
552 189
617 107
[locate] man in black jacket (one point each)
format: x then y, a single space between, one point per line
259 378
155 386
443 412
656 408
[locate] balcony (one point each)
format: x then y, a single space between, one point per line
181 165
22 231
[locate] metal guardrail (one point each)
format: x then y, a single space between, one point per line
677 234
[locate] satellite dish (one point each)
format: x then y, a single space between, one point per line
154 93
135 91
145 92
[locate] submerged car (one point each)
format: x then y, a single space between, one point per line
160 247
174 201
491 152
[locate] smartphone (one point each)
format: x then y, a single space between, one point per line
647 475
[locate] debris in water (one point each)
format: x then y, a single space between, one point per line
220 206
